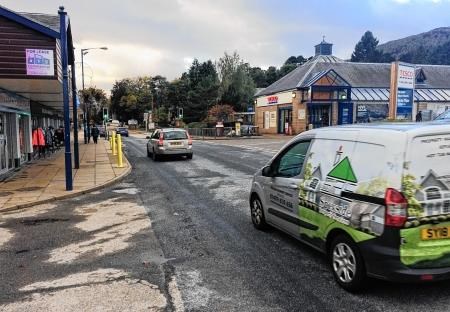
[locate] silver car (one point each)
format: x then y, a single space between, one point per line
171 141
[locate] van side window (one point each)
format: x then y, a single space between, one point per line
290 163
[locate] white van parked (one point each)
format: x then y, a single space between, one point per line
374 198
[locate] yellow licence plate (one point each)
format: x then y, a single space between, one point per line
435 233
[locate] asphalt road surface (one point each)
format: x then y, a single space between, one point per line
200 215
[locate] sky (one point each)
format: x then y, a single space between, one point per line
150 37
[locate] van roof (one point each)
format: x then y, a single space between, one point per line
409 127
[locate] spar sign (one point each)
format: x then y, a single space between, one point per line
406 76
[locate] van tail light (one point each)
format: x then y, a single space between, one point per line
396 208
189 139
161 139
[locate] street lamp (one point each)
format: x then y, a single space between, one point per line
86 111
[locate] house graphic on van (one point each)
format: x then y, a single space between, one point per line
434 195
341 178
37 59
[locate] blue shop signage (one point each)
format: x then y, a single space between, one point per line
404 103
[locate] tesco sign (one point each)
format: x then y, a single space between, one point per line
272 99
406 76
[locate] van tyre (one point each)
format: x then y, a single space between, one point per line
347 264
257 213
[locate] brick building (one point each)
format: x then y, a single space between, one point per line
329 91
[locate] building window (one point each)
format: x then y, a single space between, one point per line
433 193
446 207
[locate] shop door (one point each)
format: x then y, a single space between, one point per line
3 145
284 119
319 115
345 113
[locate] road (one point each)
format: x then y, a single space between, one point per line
176 235
200 215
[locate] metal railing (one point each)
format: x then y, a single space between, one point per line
222 132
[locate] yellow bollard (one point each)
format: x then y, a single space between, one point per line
114 145
119 151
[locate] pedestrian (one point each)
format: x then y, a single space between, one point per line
95 132
419 116
88 130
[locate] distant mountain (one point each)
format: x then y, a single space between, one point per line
432 47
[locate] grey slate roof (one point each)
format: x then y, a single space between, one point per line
47 20
358 75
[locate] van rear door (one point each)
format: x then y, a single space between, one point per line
426 184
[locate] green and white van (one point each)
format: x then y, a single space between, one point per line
374 198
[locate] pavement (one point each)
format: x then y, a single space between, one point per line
94 252
43 180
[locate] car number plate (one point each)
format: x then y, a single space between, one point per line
435 233
176 143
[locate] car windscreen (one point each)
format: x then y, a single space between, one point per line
175 135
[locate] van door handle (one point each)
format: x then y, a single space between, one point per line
293 186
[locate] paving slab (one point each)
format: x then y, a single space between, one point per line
43 180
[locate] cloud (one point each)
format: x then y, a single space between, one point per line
150 37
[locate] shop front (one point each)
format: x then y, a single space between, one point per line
37 51
15 139
274 113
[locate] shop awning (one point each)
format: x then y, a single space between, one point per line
382 95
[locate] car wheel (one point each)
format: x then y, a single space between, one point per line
148 153
154 156
257 213
347 264
189 156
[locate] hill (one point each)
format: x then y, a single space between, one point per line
432 47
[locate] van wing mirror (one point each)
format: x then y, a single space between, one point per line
267 171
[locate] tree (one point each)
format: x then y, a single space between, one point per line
271 75
220 112
366 49
286 69
130 98
202 84
94 100
259 77
237 87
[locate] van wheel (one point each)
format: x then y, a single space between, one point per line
257 213
347 264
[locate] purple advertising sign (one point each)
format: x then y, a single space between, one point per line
40 62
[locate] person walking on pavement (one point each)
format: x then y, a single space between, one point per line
95 132
419 116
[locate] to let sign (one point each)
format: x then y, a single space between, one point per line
40 62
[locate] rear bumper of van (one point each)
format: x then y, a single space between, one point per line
383 262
